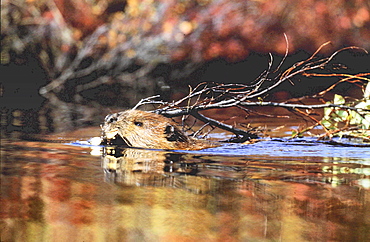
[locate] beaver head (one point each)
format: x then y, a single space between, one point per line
147 130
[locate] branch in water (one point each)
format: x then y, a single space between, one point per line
208 96
241 135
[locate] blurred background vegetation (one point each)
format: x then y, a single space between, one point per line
67 63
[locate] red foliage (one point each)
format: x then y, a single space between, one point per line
232 29
79 15
200 30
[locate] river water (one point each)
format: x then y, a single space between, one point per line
273 190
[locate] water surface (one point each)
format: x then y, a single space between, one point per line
273 190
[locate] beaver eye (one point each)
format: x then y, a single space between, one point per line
139 124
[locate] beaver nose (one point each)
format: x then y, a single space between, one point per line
110 118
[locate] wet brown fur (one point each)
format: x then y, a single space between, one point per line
149 130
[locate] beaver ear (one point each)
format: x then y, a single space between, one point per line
174 134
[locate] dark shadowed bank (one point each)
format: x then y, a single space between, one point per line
67 63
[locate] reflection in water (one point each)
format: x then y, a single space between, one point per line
56 192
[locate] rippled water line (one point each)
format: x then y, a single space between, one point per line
294 149
300 149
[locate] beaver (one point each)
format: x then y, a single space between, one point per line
143 129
